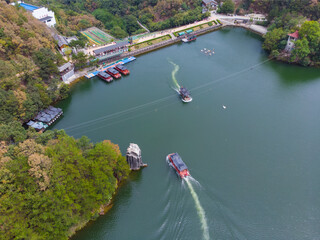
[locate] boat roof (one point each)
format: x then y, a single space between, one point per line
112 70
104 74
176 159
184 91
122 67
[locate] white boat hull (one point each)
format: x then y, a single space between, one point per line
186 100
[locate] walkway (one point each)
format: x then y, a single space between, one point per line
143 26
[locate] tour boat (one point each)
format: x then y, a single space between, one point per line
105 76
175 161
185 95
114 73
189 38
121 68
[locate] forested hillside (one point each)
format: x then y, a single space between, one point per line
28 66
120 17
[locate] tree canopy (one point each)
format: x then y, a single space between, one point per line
52 182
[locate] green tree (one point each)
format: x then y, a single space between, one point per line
80 60
228 6
12 132
45 59
311 31
273 39
301 50
118 32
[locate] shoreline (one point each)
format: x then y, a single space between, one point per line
102 210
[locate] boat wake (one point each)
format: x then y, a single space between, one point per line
200 210
173 74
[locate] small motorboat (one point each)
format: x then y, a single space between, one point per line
175 161
185 95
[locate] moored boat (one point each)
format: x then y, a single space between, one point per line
105 76
114 73
185 95
175 161
121 68
189 38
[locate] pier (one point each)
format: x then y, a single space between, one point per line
104 68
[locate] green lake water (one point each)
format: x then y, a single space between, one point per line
256 163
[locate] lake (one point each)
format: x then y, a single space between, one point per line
255 163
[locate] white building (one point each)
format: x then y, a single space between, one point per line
41 13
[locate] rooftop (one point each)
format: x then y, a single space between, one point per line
28 7
209 1
64 67
45 18
61 40
108 48
295 34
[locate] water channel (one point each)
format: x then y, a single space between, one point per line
256 162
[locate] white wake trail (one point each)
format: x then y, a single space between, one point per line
200 211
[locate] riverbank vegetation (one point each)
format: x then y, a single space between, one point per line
286 17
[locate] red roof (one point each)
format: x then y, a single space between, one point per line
295 34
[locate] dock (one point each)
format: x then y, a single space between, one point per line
122 61
45 118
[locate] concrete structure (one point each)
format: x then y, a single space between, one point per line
41 13
291 39
66 71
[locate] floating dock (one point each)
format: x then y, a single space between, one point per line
122 61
